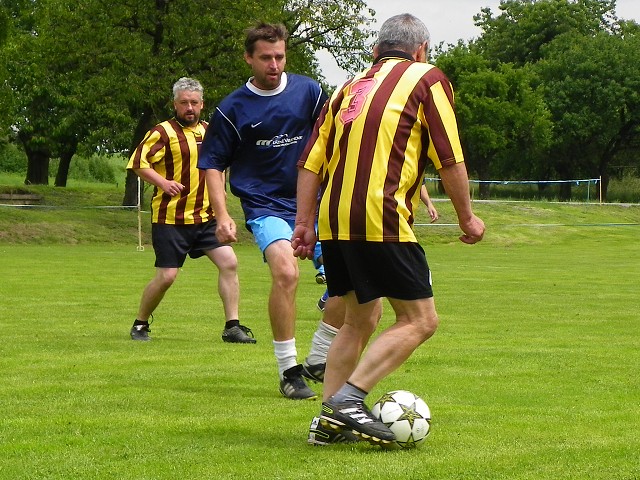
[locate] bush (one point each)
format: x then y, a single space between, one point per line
100 169
624 190
96 168
12 159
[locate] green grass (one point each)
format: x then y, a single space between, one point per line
531 375
88 214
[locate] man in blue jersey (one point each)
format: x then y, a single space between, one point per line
258 132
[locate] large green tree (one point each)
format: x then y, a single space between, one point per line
88 73
586 60
592 87
504 123
519 33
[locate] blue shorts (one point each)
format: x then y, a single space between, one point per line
267 229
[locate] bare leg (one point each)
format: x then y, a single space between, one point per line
360 321
416 321
228 285
154 291
334 311
284 283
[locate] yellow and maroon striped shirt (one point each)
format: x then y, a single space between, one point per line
371 144
172 150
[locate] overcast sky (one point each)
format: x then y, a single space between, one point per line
447 20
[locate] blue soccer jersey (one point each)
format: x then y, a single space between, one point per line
259 135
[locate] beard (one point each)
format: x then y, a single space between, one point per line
188 122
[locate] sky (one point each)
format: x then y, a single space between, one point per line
447 21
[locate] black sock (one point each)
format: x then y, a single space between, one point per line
140 322
232 323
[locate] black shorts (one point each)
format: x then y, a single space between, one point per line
172 243
376 269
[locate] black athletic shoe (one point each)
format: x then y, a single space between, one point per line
357 418
321 279
140 333
319 435
323 300
314 372
238 334
293 385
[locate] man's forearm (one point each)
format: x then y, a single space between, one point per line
217 195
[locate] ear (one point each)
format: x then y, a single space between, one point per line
247 58
422 52
376 51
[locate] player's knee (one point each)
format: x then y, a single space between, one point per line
424 326
229 265
166 277
428 326
286 278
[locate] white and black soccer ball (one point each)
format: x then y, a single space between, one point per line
407 416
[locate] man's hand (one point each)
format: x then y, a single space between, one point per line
226 230
473 229
171 187
303 242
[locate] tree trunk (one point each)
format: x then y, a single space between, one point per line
66 155
484 189
565 192
131 190
38 157
604 178
63 171
145 123
37 168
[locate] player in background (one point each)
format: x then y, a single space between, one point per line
369 151
426 199
258 132
182 219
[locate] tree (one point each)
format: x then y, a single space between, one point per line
504 124
591 85
340 27
585 60
524 27
51 85
81 68
4 26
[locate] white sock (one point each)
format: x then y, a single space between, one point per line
320 343
285 355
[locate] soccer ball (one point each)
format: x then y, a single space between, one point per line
406 415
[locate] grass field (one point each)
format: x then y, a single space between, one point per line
531 375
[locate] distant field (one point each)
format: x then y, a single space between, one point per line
85 215
531 375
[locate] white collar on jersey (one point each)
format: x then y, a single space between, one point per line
268 93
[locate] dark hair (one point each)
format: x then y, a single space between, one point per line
271 32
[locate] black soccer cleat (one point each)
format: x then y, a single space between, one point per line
314 373
356 418
319 435
323 300
238 334
293 386
140 333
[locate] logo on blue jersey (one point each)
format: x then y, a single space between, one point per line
279 141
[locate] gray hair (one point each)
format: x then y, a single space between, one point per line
188 84
402 32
